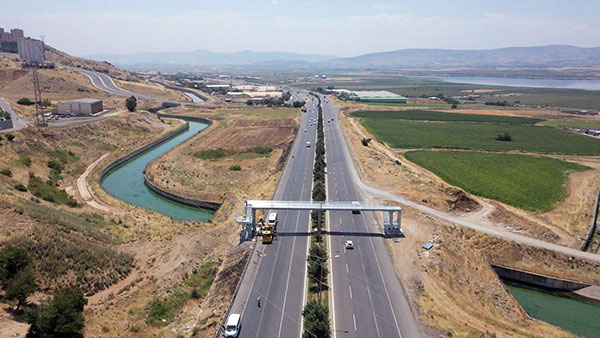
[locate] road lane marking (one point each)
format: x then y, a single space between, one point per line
350 289
354 320
347 270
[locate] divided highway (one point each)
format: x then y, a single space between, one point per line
366 297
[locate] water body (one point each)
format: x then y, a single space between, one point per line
194 97
126 182
530 83
565 310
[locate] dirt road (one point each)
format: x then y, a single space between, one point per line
84 189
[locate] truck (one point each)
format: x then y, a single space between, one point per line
267 231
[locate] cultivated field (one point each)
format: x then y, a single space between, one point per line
427 115
528 182
482 136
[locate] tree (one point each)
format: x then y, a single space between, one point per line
12 260
316 320
25 101
10 137
63 317
21 286
131 103
249 102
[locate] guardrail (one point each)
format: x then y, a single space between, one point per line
592 231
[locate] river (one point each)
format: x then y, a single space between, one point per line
530 83
126 182
562 309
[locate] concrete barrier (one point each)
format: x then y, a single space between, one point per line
179 199
538 280
135 153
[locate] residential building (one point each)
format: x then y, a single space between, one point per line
31 50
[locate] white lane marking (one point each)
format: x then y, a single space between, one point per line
347 270
382 279
354 320
350 289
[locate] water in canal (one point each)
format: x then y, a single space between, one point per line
565 310
126 182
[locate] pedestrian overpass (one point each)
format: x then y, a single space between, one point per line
390 215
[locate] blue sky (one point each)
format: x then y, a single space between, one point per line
334 27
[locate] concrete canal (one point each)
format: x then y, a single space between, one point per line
126 181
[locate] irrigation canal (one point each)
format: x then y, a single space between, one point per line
126 182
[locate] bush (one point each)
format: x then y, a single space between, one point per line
454 106
6 172
50 193
24 160
131 103
10 137
365 141
63 317
504 137
25 101
20 187
235 167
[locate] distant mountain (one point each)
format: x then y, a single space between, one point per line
207 58
542 56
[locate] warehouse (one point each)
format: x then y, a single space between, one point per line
376 96
80 107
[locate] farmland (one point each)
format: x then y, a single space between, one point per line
426 115
528 182
482 136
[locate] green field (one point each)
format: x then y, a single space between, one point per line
571 123
425 115
415 105
528 182
411 134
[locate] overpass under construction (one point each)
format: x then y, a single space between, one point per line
390 215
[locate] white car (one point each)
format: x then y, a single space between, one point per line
349 244
305 130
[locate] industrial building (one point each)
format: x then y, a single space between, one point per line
80 107
31 50
376 96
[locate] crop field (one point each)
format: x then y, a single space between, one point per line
579 123
528 182
425 115
413 105
482 136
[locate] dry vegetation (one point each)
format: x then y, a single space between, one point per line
453 287
152 90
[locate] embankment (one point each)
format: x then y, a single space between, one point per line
538 280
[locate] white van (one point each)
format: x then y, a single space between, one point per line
232 329
307 144
272 219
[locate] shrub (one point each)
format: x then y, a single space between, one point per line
20 187
235 167
365 141
25 101
131 103
50 193
24 160
63 317
504 137
6 172
10 137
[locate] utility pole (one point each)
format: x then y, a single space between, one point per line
40 119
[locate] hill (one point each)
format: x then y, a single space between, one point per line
57 56
205 57
541 56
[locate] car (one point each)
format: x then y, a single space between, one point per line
232 329
349 244
307 144
305 130
354 211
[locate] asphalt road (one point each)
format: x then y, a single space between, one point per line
277 271
367 299
18 123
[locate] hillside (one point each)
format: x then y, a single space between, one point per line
542 56
57 56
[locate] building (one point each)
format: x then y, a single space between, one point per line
80 107
31 50
13 36
376 96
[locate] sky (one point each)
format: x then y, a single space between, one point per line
328 27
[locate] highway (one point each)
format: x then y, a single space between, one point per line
277 271
367 299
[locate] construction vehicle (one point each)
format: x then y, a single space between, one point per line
267 231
